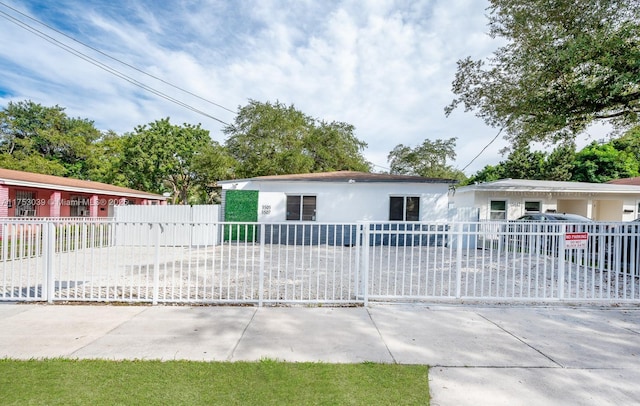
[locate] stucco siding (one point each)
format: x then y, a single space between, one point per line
611 207
348 202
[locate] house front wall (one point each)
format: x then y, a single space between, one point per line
599 207
18 201
347 202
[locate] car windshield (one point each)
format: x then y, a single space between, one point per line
571 217
555 217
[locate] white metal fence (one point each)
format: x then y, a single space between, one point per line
285 263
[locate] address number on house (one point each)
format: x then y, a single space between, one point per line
576 240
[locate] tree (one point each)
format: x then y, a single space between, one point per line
601 163
489 173
274 139
21 161
427 160
211 164
566 64
42 139
629 142
158 158
522 163
106 164
559 164
333 147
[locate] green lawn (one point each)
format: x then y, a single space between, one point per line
268 382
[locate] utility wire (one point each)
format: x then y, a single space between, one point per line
381 167
483 149
103 66
116 59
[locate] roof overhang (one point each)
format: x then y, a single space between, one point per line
529 187
343 177
73 189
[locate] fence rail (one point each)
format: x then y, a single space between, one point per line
285 263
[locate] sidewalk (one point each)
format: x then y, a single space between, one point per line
502 355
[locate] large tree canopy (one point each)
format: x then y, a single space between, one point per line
42 139
601 163
333 147
211 164
159 157
597 162
107 161
428 159
566 64
274 139
629 142
559 164
522 163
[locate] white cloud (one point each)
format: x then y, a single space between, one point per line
384 66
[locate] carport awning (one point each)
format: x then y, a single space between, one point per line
537 187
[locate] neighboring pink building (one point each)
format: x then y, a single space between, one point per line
26 194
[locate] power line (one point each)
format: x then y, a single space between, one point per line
106 67
483 149
381 167
117 60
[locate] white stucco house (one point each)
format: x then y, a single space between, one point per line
511 198
325 206
341 197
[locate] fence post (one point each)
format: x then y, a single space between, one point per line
48 285
261 272
561 264
156 263
355 238
458 260
365 263
5 232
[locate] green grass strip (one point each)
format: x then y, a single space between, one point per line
268 382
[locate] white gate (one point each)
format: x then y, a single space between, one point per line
185 225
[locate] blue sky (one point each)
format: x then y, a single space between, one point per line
383 66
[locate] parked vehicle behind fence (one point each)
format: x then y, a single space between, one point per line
541 232
557 217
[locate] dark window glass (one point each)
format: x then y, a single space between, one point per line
498 210
293 207
404 208
308 208
301 208
413 208
396 208
25 204
498 205
79 206
532 207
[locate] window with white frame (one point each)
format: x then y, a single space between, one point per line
301 207
498 210
532 207
25 204
404 208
